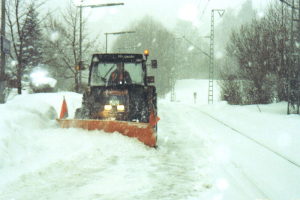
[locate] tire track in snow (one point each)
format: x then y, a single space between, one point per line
194 129
231 171
180 156
257 142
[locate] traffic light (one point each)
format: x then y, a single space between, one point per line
80 66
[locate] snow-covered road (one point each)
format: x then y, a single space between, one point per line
111 166
197 156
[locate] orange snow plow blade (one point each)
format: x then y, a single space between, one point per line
142 131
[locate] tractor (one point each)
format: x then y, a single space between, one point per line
119 97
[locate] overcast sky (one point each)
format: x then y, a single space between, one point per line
118 18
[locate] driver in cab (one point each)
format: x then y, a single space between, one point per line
119 75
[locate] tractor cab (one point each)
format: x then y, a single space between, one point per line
117 69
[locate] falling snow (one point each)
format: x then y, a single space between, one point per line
222 184
219 55
261 14
191 48
54 36
188 12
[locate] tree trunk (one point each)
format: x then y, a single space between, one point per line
76 81
19 81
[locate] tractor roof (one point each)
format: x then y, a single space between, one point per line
120 57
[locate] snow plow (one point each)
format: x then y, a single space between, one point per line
119 98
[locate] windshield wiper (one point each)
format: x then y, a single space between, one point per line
103 78
108 71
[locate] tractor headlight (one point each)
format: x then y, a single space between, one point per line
107 107
120 107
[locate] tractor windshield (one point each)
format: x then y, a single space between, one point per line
109 73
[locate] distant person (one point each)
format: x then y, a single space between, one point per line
119 75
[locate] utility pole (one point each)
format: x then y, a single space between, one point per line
294 60
2 71
211 62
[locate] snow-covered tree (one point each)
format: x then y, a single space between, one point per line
19 14
246 13
33 44
260 49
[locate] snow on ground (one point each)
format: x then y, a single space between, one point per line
198 157
22 122
266 124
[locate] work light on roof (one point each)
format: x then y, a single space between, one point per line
146 52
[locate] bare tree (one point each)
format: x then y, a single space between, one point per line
18 12
260 49
62 43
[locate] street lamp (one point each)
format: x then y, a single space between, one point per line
80 37
117 33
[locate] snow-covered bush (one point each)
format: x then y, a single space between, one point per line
259 51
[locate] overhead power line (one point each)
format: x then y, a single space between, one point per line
204 11
238 5
196 47
243 1
199 4
200 17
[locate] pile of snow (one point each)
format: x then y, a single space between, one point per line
31 139
23 119
18 119
40 78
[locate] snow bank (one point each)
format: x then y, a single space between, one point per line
31 140
22 120
18 118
